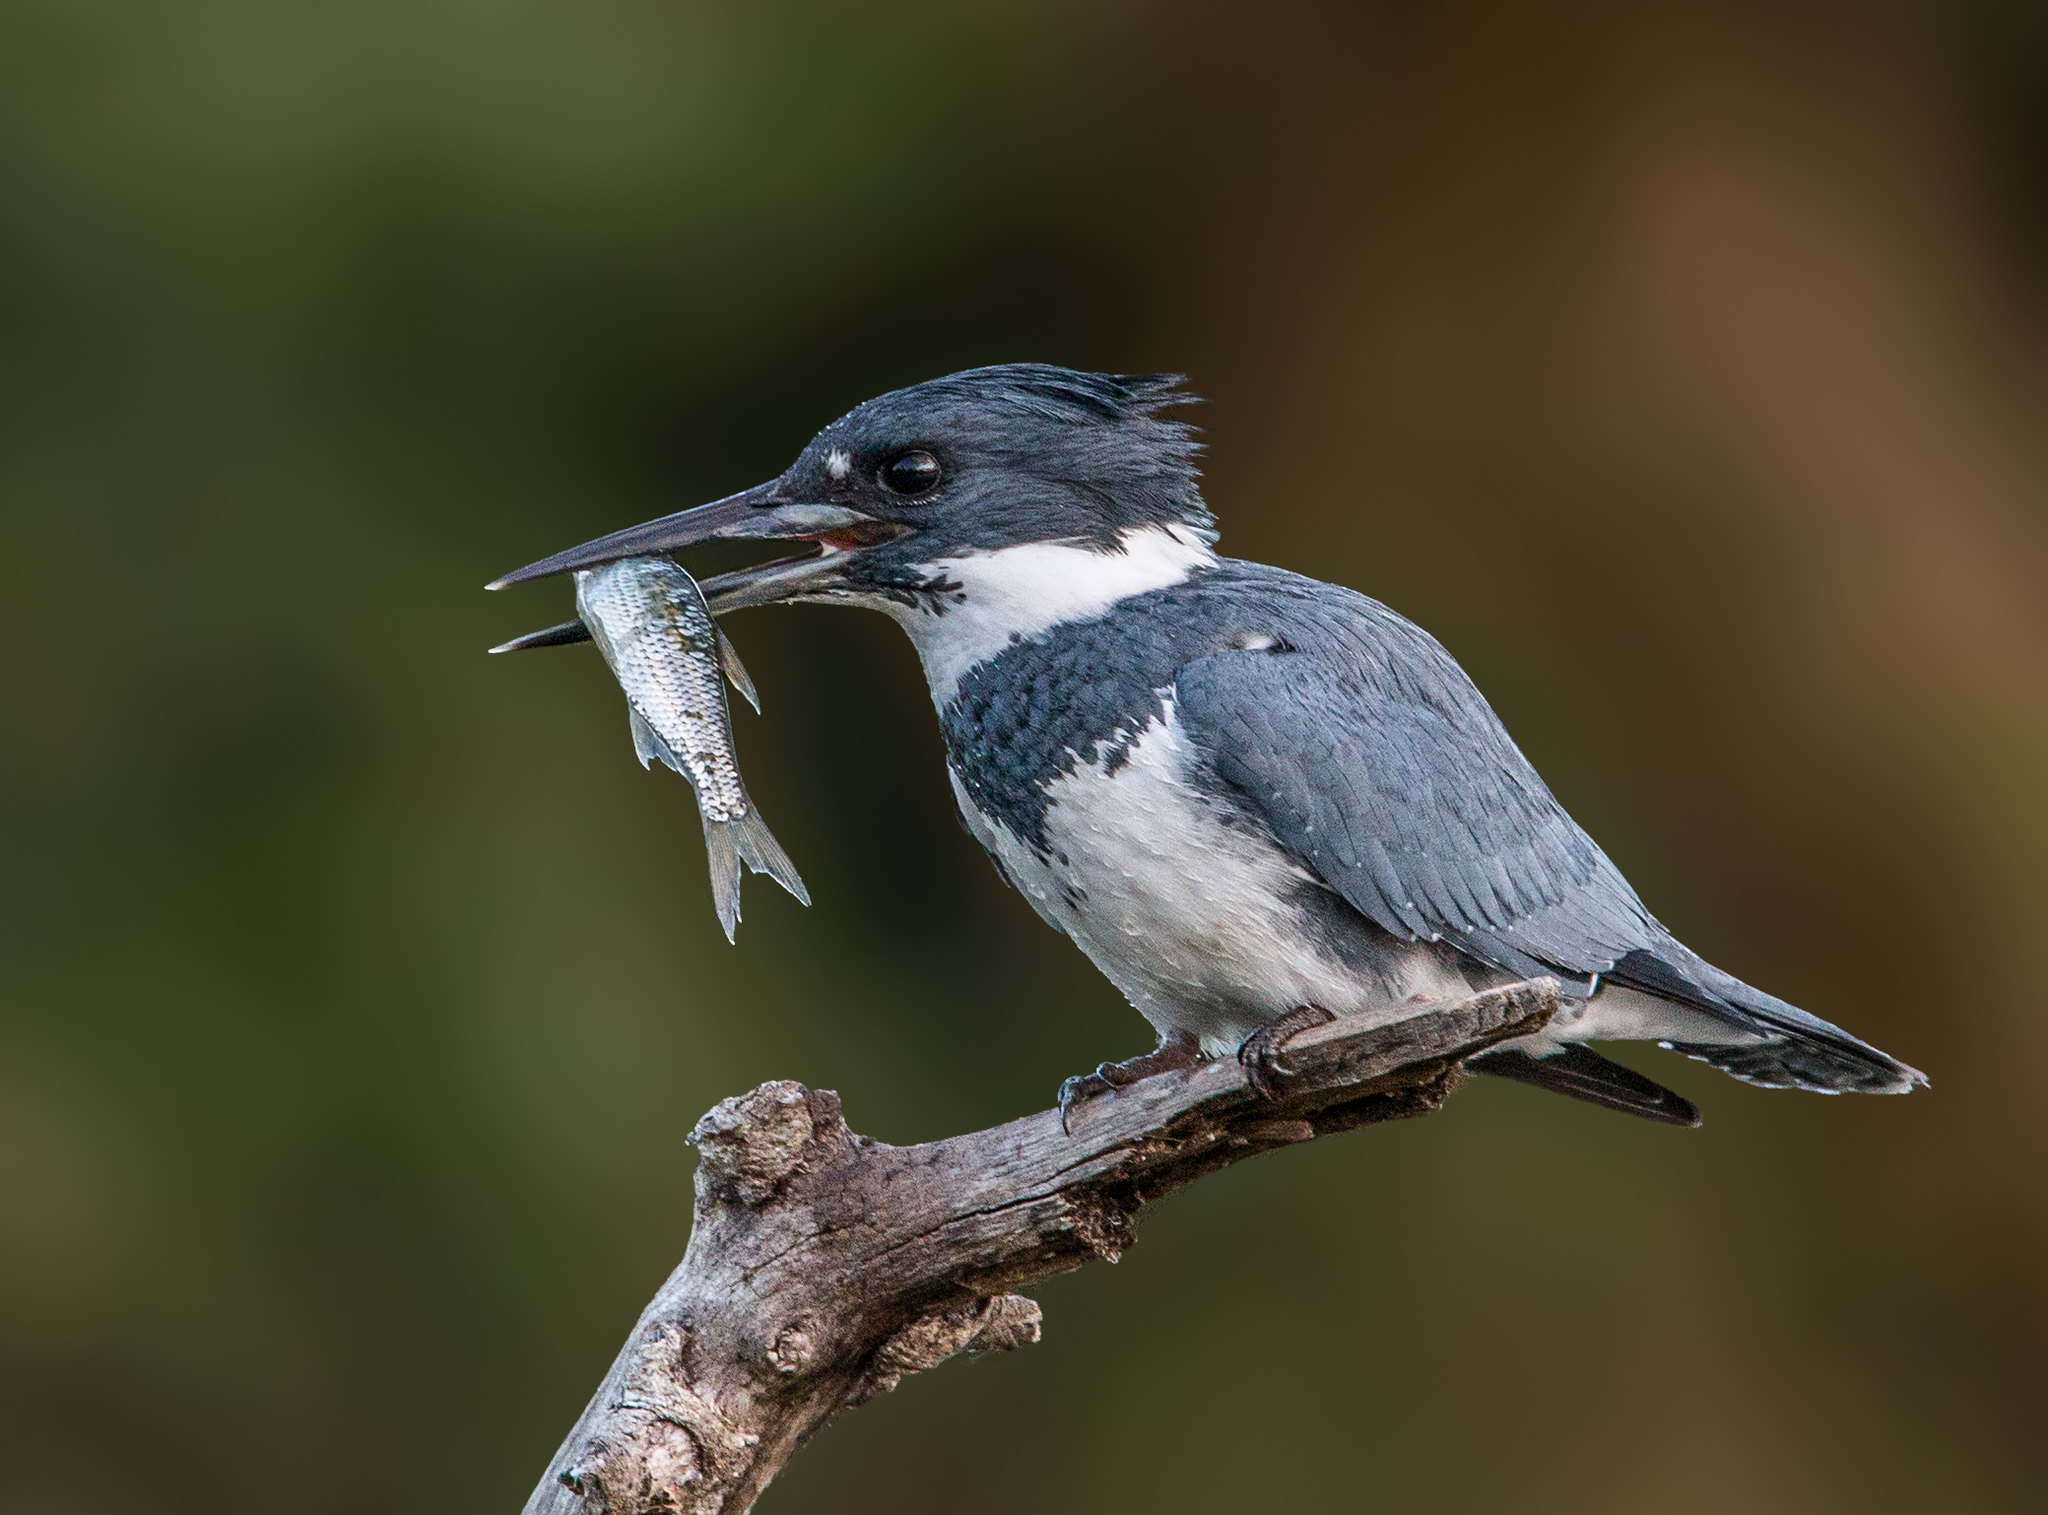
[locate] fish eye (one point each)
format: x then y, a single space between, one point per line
912 472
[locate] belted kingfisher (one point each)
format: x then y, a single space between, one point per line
1255 801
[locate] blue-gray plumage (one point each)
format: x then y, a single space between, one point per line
1248 796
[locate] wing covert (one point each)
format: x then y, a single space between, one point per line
1378 763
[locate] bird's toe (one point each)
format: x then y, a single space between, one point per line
1081 1088
1260 1054
1175 1051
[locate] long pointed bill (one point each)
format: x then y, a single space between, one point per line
754 514
565 635
832 533
722 592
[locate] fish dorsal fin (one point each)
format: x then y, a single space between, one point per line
735 670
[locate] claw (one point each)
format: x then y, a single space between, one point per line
1082 1086
1177 1050
1260 1054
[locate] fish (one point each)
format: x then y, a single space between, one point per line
672 659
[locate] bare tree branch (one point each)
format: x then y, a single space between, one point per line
824 1266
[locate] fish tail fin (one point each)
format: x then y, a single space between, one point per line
735 671
721 850
748 840
764 854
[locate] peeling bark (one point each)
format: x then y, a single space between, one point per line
823 1267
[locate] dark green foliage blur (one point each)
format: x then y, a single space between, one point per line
1679 366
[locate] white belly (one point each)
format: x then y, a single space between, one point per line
1186 908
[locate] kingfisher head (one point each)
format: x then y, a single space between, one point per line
974 508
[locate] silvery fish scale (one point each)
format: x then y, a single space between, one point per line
649 619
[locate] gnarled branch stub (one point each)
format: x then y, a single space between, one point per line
824 1267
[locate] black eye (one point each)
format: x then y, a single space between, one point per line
911 473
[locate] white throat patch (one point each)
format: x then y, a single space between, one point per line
1017 592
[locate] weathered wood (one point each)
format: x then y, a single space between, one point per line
823 1266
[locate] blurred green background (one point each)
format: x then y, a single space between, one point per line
1682 367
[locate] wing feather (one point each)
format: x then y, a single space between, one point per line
1374 759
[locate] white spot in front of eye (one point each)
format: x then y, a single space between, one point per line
838 464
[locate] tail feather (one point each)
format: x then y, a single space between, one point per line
1795 1051
1794 1060
1581 1073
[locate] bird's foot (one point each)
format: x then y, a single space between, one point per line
1175 1051
1260 1054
